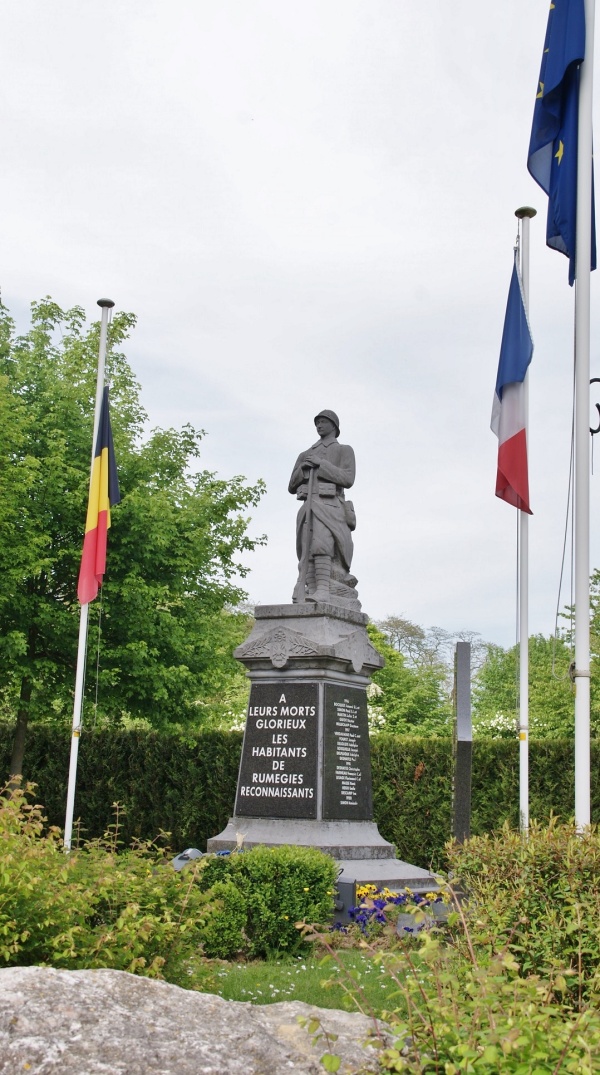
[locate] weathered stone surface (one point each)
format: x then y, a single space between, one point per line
309 636
340 839
106 1022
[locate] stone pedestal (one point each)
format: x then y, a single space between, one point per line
305 771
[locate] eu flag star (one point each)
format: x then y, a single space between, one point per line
560 151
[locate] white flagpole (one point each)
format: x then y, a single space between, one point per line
582 422
524 214
106 305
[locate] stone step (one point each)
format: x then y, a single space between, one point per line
343 840
389 873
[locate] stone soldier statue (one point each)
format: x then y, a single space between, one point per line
326 519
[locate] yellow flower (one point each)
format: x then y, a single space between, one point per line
365 890
306 890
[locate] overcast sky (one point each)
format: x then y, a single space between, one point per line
310 205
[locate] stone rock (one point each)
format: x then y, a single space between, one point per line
108 1022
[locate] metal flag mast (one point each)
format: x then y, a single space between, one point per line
524 214
106 305
582 441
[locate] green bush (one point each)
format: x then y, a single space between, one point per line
279 886
509 982
101 906
96 906
223 932
538 898
467 1016
456 1009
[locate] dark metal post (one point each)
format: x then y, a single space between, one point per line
463 743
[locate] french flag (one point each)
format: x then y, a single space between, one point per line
509 409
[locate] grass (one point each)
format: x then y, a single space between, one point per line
313 980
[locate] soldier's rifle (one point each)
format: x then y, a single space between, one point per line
300 591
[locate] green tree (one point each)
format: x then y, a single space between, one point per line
551 701
431 647
405 700
168 622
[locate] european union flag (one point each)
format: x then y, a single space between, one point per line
552 157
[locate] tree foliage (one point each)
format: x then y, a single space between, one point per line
167 626
418 680
407 700
430 647
551 697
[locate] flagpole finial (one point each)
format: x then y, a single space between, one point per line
109 302
525 210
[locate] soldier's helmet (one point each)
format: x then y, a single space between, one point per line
332 418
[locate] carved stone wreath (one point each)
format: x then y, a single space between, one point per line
278 646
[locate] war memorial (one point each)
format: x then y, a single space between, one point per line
305 771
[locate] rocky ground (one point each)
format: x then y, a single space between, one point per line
107 1022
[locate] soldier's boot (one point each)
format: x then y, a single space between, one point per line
322 576
311 582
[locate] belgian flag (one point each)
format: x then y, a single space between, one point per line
104 494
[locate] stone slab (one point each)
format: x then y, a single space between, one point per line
278 770
393 873
309 610
347 791
311 635
108 1022
340 839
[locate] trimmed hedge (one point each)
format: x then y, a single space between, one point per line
187 787
412 789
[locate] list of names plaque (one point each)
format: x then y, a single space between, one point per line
278 772
347 762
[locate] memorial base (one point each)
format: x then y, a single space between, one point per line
356 840
305 771
362 855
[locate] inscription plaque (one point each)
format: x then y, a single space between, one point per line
278 771
347 758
